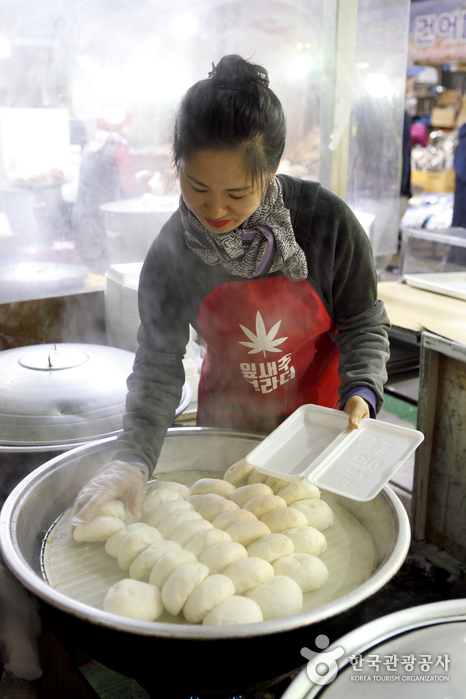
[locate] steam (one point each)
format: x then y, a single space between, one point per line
20 627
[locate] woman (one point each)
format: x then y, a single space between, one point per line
274 273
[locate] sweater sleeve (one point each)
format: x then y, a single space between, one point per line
364 351
348 283
156 382
360 316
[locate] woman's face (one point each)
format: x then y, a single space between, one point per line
217 190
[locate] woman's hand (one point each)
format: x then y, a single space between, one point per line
117 480
358 409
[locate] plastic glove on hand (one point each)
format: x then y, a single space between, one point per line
358 410
117 480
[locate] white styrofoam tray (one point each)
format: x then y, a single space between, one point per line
446 283
317 443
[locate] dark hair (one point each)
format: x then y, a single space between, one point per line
233 109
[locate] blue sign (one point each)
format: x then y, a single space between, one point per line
437 31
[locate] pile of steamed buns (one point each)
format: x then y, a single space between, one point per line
236 550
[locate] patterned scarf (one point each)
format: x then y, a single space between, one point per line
264 243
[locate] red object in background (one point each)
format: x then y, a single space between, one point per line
419 134
113 118
61 252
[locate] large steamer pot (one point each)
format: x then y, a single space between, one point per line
206 659
424 633
132 224
56 397
26 281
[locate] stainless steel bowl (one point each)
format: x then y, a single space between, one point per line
43 495
132 224
426 632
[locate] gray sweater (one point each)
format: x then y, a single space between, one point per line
336 309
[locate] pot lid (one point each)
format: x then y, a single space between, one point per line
421 663
63 394
417 652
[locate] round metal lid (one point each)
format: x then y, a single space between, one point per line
426 662
31 280
53 359
417 652
63 394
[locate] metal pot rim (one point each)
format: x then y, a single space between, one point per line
67 444
41 589
375 632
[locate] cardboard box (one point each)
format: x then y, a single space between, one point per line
443 117
461 118
448 97
434 181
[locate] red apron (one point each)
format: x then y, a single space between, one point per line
270 348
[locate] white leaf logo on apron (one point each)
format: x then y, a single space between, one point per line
262 341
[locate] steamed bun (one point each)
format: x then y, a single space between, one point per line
142 565
135 542
188 530
169 524
263 504
202 541
308 571
214 508
219 556
248 573
307 540
167 508
114 508
168 563
180 584
247 531
214 590
271 547
299 490
247 492
318 514
284 518
98 529
226 519
238 474
281 596
212 485
135 599
113 542
235 610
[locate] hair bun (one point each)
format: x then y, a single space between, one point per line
233 109
234 70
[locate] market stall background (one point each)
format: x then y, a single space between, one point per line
60 64
339 68
437 31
